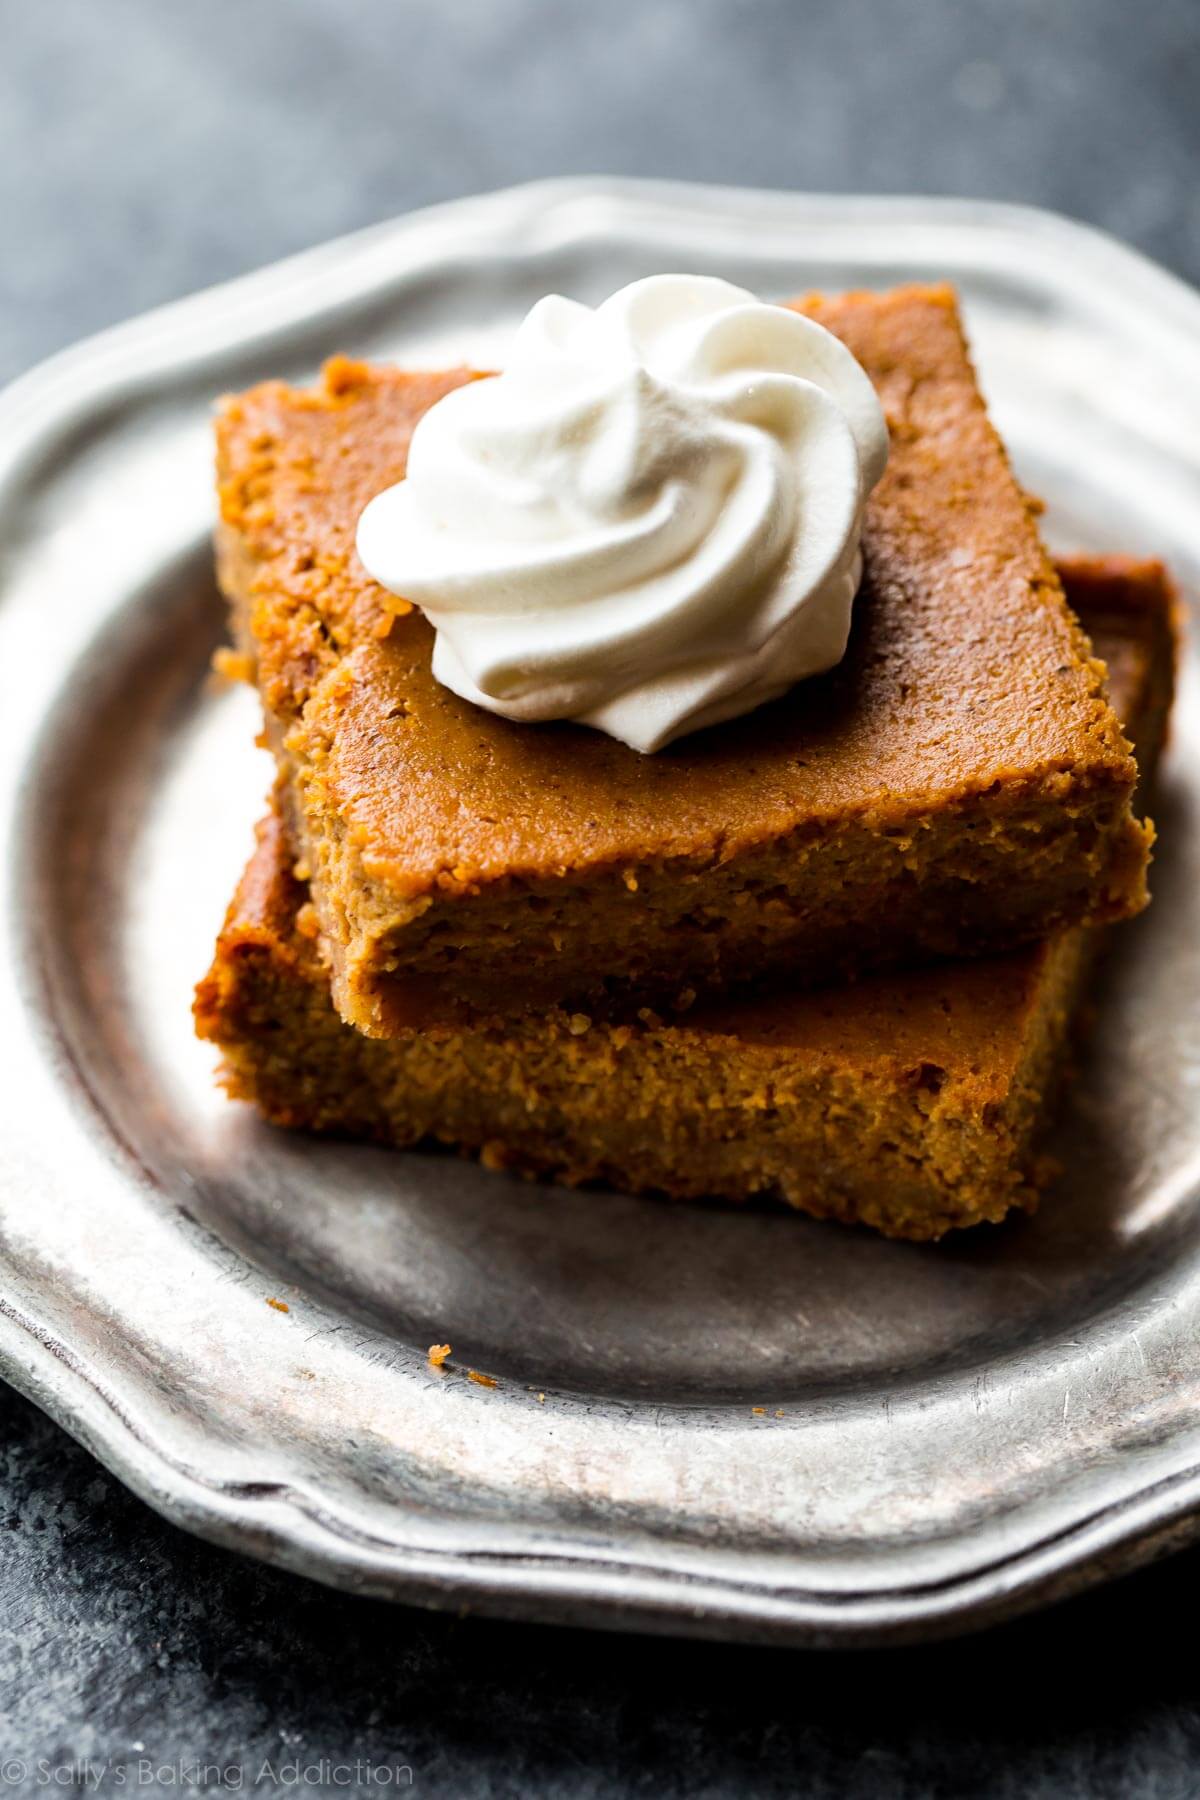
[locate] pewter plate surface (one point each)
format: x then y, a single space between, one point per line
946 1433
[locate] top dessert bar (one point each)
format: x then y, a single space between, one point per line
958 785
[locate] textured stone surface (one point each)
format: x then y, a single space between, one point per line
148 147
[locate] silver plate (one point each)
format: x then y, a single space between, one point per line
945 1433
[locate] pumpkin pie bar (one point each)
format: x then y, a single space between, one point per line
957 786
908 1102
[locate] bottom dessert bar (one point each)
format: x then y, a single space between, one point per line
910 1103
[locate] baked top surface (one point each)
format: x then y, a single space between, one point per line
968 1020
965 672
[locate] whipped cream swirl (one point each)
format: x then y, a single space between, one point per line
650 522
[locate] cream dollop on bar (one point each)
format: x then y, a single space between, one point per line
650 522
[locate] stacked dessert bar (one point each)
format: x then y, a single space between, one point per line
826 952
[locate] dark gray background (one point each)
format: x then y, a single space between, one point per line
149 147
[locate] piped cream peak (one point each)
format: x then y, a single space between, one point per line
650 522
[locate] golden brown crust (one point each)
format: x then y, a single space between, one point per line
909 1103
909 1145
964 747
